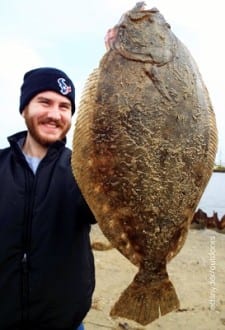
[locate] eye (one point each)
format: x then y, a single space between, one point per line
44 102
65 107
168 25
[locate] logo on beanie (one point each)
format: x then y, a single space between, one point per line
64 88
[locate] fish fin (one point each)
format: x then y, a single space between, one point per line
145 303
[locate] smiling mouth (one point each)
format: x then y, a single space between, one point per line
50 127
51 124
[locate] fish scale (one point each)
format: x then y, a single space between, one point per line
144 146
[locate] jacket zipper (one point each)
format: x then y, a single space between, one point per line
29 195
24 287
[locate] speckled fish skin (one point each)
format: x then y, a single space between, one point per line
144 147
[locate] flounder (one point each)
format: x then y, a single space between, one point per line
144 145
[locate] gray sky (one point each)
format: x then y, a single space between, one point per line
70 34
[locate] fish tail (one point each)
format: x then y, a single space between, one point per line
144 303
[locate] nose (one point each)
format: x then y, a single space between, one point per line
54 113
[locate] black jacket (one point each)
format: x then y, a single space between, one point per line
46 263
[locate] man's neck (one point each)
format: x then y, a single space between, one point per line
33 148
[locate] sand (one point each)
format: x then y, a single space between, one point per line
197 272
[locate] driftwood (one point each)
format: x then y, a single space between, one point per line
201 221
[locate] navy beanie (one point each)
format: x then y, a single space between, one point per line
46 79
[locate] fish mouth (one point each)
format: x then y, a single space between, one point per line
140 6
112 33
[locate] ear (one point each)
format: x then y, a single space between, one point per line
23 112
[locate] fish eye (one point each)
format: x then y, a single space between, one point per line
168 25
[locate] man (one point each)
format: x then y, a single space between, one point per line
46 263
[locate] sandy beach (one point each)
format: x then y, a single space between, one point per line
197 273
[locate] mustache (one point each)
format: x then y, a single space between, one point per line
56 122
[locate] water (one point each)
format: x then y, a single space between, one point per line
213 198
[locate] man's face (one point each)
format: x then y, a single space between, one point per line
48 117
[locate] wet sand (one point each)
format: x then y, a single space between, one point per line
202 303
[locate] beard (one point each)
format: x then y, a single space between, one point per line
44 139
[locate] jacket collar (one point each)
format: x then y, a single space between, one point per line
15 138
